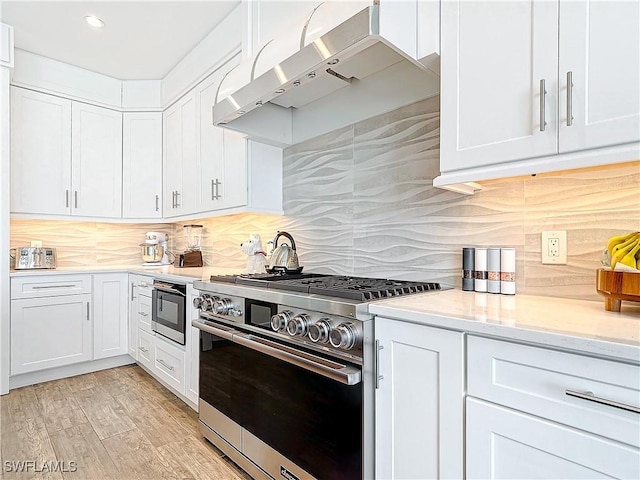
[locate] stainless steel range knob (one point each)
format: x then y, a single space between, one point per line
197 303
319 331
206 302
223 306
298 325
344 336
279 320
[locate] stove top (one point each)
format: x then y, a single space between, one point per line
355 288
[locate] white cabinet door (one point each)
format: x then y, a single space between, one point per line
180 157
142 165
133 318
494 57
96 161
419 402
505 444
50 332
110 306
40 153
146 349
210 146
232 192
600 50
169 364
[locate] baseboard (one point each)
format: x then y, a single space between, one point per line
32 378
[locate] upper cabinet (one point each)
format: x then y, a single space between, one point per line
65 157
40 153
180 159
531 79
96 161
142 165
599 69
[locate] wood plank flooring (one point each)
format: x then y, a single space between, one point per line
113 424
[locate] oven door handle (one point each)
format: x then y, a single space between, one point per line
345 374
226 334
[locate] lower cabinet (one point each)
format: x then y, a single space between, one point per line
534 412
504 443
110 315
169 363
50 332
419 401
146 349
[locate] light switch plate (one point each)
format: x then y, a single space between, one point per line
554 247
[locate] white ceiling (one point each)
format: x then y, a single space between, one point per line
141 39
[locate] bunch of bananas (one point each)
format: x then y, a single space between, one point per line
625 250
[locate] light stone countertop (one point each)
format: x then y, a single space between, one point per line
578 325
166 272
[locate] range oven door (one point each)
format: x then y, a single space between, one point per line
305 407
168 313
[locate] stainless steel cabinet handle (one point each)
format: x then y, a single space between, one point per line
66 198
377 372
157 202
75 198
569 99
177 195
143 314
142 349
132 297
543 101
226 334
88 311
165 364
42 287
589 396
218 183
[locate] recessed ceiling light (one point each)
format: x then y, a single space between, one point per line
94 21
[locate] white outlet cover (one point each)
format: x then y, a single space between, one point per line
548 258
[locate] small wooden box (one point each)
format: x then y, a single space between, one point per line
617 286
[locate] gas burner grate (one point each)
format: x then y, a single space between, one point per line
355 288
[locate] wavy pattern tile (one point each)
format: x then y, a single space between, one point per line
360 201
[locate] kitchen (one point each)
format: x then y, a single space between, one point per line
358 199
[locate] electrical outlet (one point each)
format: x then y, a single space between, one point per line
554 247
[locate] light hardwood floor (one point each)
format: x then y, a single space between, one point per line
113 424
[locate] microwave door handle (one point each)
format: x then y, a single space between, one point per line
347 375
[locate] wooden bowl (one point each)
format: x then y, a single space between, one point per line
617 286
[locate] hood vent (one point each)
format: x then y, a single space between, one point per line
315 79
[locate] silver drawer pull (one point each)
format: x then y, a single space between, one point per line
143 350
589 396
543 99
41 287
143 314
569 99
165 364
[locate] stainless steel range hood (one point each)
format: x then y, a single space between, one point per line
315 79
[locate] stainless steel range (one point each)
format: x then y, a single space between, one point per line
287 369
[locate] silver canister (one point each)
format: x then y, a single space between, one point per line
480 274
493 270
468 267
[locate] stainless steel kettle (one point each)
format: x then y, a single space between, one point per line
284 257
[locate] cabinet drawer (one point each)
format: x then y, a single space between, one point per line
169 364
144 313
49 285
536 380
146 349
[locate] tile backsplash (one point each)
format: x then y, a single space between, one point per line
360 201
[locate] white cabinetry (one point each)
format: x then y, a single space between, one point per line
535 426
181 178
419 401
142 165
110 315
96 161
504 85
50 322
66 157
139 310
40 153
